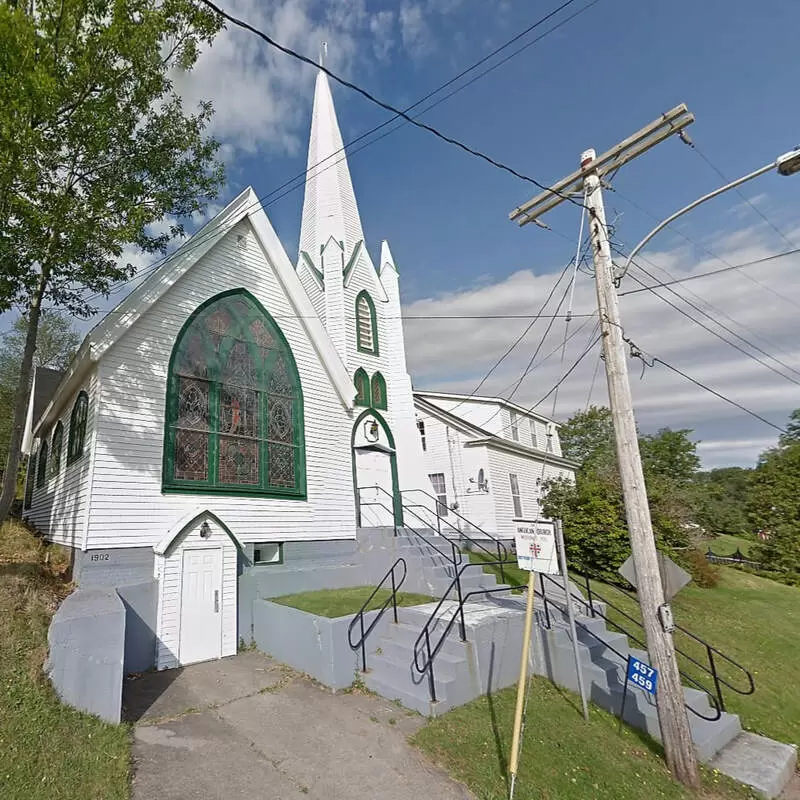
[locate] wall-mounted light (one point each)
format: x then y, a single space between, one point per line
371 430
205 530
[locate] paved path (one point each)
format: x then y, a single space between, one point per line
247 727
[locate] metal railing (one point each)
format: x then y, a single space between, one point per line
358 619
471 525
712 653
423 646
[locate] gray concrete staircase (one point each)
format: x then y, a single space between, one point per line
489 660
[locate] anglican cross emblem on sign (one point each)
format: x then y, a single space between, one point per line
536 547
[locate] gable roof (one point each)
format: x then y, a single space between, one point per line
114 325
483 437
500 401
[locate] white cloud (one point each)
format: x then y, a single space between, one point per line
414 29
454 354
381 26
260 95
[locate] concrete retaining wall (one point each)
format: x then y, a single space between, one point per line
141 603
312 644
87 652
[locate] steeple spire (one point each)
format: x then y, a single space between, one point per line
329 206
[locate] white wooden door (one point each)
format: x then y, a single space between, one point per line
201 605
374 470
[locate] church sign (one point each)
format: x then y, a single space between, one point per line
536 547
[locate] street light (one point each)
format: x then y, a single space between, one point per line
787 164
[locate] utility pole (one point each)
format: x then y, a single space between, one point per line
675 732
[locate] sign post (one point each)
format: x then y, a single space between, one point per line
562 557
536 552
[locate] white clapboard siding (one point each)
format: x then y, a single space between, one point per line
390 362
170 569
59 508
128 508
528 470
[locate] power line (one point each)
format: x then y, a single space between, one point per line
707 250
718 311
431 317
197 238
741 194
716 333
387 106
638 352
719 394
569 372
784 254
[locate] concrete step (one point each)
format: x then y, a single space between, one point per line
711 737
757 761
409 700
405 635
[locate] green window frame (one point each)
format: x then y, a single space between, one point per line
378 385
41 469
77 427
366 324
55 449
234 409
361 382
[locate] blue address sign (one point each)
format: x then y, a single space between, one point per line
643 675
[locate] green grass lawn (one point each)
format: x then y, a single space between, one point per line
343 602
726 545
47 751
754 621
562 758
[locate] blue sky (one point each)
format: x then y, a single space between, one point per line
591 83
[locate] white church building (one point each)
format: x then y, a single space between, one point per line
238 412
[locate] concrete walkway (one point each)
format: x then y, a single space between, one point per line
249 727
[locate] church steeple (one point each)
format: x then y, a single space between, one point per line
329 206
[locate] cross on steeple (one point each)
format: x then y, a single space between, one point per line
323 53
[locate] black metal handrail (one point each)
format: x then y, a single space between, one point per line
458 613
501 553
502 550
359 617
710 669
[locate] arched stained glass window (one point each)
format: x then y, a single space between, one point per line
55 449
366 324
77 427
378 391
361 381
234 404
41 470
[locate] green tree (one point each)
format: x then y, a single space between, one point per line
774 505
720 500
592 508
55 345
588 434
96 148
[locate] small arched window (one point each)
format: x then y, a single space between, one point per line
361 381
41 470
77 427
366 324
234 404
55 448
378 391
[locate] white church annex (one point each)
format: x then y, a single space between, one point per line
215 428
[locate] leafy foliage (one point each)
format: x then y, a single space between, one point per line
774 506
592 509
96 149
56 343
720 501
